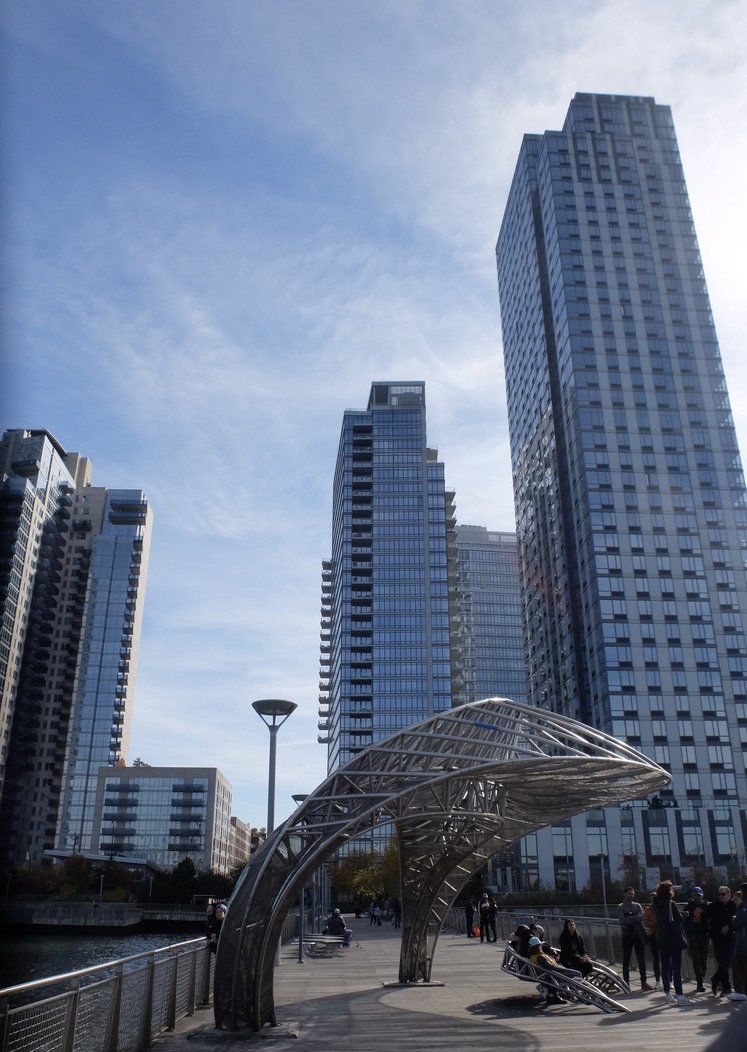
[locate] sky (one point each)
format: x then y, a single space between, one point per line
223 220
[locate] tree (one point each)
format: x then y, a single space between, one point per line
183 880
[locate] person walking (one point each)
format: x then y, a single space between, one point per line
630 915
671 942
493 917
649 926
469 917
484 912
720 916
739 960
696 930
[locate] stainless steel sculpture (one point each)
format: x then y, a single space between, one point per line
457 788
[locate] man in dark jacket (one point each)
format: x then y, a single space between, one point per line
630 915
696 930
720 915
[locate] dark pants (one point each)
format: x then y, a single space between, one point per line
484 929
632 940
723 951
549 989
470 919
698 955
654 944
671 966
739 971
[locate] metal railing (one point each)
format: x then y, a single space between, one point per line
115 1007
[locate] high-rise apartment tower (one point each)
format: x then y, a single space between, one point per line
73 561
630 498
385 651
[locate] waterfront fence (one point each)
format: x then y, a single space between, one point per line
115 1007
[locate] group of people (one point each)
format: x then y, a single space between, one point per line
571 958
481 918
668 931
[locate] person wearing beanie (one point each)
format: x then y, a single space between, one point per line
335 924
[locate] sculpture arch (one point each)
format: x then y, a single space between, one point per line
457 788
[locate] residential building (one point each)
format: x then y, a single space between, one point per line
163 815
385 652
243 841
630 497
73 564
487 634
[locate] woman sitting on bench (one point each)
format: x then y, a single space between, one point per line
539 957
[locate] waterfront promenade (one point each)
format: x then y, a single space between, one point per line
342 1004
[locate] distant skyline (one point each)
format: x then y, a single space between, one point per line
221 227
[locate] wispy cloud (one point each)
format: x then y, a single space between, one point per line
223 227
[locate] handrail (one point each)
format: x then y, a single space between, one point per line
63 977
142 995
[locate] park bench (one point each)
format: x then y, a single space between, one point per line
594 990
317 944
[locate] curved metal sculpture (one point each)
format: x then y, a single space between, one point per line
457 787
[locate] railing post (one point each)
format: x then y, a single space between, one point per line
192 983
171 1014
72 1018
113 1040
4 1028
147 1034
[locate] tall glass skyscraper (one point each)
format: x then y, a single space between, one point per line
631 502
73 565
385 652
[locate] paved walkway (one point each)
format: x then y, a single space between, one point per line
342 1004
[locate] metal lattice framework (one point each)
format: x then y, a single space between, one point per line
458 787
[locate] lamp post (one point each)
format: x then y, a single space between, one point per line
273 712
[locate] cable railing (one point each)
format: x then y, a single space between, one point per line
119 1006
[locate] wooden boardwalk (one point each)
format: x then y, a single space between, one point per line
343 1004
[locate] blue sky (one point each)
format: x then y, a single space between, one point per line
223 220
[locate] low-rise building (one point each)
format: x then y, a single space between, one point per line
165 814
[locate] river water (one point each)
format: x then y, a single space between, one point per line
25 956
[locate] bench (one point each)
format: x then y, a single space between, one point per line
317 944
594 990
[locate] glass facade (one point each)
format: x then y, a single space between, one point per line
385 654
489 634
73 561
163 815
102 704
630 496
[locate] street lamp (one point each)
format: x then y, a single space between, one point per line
273 712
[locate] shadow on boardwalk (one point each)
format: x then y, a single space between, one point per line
342 1004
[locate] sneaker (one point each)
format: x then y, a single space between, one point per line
669 997
682 1000
657 985
736 997
645 986
700 989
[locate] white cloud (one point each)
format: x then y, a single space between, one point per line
279 204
